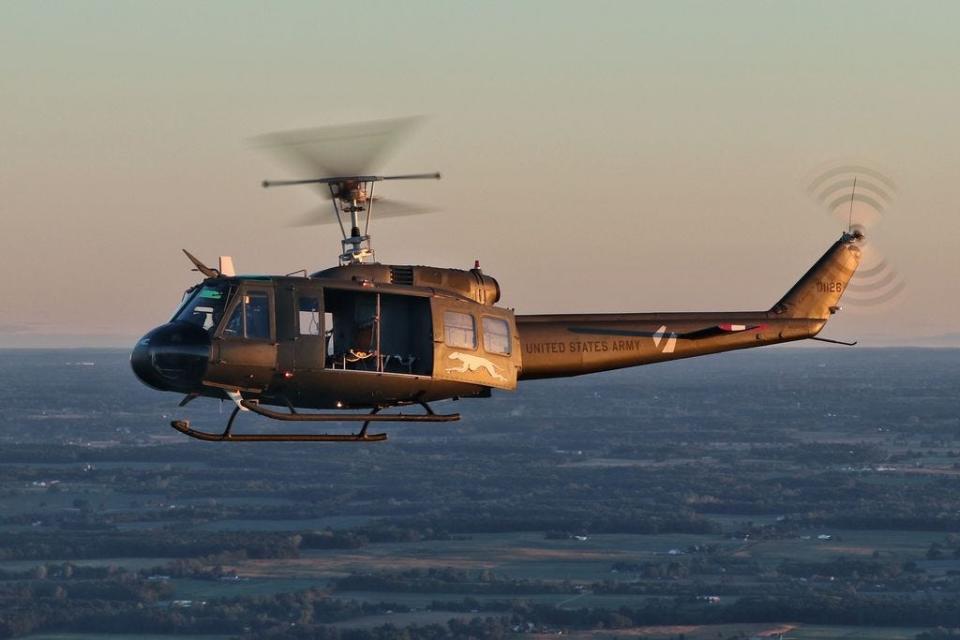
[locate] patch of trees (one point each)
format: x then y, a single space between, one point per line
897 516
125 589
357 537
847 568
53 607
46 545
488 628
809 609
62 571
585 517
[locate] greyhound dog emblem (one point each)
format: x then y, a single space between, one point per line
474 363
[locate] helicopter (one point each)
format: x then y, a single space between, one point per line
350 343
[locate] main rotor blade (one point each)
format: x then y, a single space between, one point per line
382 208
340 179
414 176
345 150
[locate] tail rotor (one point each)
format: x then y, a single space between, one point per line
859 196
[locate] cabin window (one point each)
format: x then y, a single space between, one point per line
250 318
496 336
309 315
459 330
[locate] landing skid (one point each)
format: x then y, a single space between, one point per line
183 426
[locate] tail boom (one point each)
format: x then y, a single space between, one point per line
574 344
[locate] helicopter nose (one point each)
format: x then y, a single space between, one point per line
172 357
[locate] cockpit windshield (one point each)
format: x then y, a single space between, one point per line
203 306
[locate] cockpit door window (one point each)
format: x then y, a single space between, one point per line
250 317
257 315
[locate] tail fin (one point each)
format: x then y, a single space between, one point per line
817 294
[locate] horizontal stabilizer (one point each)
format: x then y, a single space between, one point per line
720 330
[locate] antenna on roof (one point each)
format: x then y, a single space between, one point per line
852 194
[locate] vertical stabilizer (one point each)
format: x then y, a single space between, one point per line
817 294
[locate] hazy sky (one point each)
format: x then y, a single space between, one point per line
597 156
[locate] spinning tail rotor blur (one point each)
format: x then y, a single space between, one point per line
858 196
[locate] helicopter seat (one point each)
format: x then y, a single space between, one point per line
357 356
364 346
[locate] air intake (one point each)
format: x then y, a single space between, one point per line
401 275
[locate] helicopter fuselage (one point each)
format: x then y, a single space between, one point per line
375 336
356 336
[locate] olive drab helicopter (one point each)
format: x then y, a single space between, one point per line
350 343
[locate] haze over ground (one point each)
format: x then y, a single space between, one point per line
603 157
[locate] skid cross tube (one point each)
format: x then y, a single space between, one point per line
183 426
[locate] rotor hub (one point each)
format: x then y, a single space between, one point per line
345 154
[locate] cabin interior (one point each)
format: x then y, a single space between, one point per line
377 332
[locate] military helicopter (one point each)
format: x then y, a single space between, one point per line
370 336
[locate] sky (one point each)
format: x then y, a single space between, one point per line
601 156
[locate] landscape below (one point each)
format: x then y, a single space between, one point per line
811 493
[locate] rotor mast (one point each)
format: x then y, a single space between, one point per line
352 199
